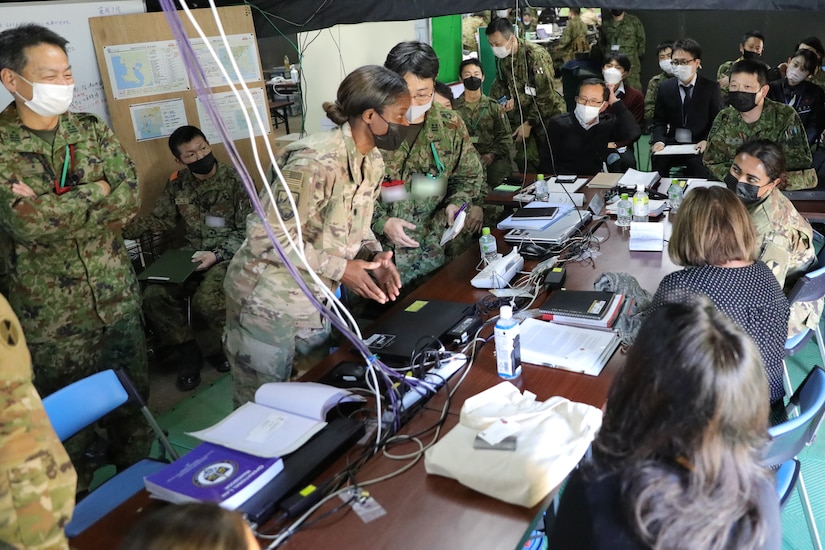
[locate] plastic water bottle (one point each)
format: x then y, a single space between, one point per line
489 248
293 74
641 205
542 190
508 346
674 195
624 211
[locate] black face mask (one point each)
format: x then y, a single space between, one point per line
750 55
616 13
202 166
472 83
390 141
742 101
747 193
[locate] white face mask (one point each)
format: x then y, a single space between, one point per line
665 65
683 72
501 51
502 13
612 75
48 100
586 114
416 111
795 76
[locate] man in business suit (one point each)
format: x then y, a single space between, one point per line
684 111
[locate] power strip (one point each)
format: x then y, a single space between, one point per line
429 385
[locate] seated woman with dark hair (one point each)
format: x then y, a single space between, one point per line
676 462
714 239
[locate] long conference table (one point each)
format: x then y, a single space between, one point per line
424 511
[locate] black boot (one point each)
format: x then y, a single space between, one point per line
189 375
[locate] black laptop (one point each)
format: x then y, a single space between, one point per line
395 338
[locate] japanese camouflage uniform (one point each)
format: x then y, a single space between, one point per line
527 79
573 40
489 132
628 37
214 214
71 282
785 241
650 95
469 32
270 323
779 123
443 150
37 480
818 78
724 71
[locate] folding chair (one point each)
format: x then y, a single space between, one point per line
83 403
789 438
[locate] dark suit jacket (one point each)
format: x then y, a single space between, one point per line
703 107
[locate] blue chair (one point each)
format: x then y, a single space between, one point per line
83 403
789 438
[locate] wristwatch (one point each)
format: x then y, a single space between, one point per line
218 256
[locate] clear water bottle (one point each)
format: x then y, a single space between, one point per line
508 346
489 248
674 195
542 189
293 74
624 211
641 205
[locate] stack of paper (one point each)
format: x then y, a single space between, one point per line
647 236
632 178
604 180
571 348
681 149
536 224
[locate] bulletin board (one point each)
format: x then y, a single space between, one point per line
149 93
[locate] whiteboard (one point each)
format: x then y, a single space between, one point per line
70 19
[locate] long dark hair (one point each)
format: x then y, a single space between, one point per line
684 425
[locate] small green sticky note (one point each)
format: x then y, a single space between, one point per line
506 187
416 306
308 490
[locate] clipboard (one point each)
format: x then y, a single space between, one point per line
173 267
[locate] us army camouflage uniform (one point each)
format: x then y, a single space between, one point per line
573 40
71 282
531 71
785 241
223 199
650 95
270 323
443 130
629 35
778 123
37 480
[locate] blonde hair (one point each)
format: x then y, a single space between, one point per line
712 227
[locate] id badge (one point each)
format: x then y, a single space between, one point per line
683 135
615 47
424 186
529 90
215 221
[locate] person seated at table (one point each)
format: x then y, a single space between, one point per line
615 69
191 526
438 169
804 96
676 463
714 240
443 95
685 109
582 141
333 177
752 115
664 50
784 238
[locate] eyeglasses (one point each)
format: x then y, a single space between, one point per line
680 62
422 97
589 101
192 156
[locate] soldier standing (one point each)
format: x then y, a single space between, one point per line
334 179
751 115
573 38
69 189
524 82
436 171
624 33
210 199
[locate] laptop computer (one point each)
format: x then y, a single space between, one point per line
556 234
395 338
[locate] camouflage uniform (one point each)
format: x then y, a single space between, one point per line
71 281
268 318
785 244
531 70
489 132
628 37
818 78
469 32
779 123
573 40
724 71
37 484
186 198
534 21
445 132
650 95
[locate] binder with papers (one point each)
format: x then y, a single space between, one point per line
511 222
577 349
